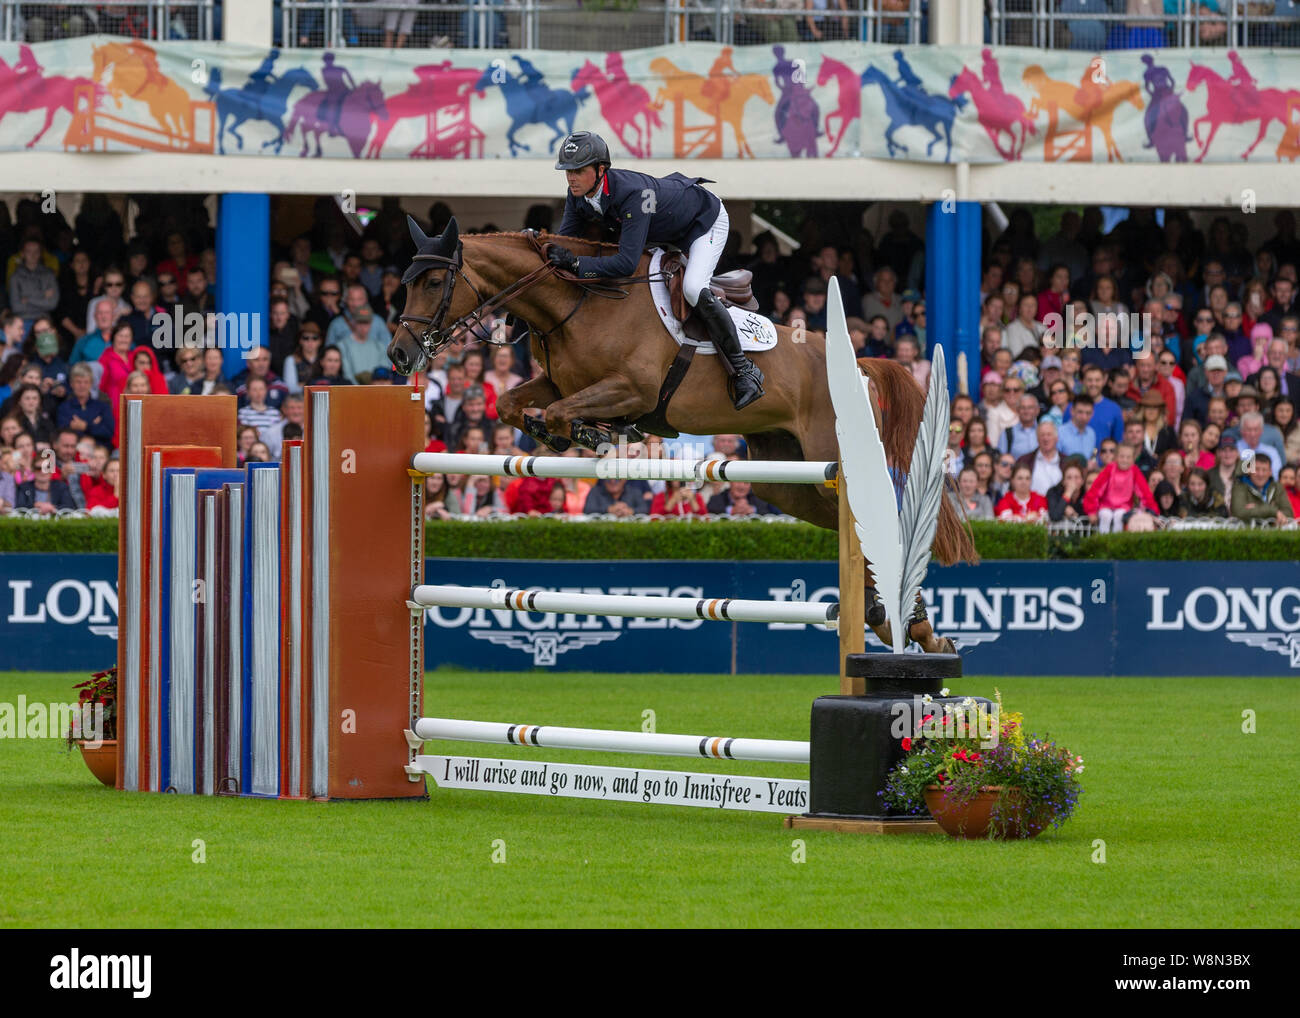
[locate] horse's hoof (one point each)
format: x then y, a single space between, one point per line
590 437
946 646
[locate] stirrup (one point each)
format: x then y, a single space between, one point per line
755 375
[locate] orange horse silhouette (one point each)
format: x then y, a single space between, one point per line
681 87
1092 102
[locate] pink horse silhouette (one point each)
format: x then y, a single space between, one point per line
999 112
621 103
33 90
1222 107
848 108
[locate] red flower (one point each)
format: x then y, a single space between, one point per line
907 744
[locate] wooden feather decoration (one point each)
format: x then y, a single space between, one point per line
863 464
918 517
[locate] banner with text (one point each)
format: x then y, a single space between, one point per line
59 613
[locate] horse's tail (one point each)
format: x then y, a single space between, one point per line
902 403
213 85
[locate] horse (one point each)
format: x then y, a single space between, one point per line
1090 103
1221 107
241 105
907 107
1166 119
360 106
526 104
621 103
605 355
848 107
999 113
24 93
135 73
797 116
688 87
440 90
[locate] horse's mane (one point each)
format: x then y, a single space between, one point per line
578 245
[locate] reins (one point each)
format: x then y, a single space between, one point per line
612 289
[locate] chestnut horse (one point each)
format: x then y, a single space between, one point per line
606 354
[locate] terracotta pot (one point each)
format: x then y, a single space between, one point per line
102 760
973 819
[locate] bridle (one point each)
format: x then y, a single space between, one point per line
434 334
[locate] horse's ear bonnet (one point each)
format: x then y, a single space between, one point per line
442 246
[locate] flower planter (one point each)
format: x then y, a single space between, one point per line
975 818
101 759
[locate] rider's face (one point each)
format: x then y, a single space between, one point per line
581 181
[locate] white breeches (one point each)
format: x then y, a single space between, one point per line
703 257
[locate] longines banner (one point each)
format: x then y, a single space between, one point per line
694 100
59 613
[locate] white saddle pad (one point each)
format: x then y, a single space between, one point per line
757 333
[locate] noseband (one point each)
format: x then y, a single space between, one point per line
432 336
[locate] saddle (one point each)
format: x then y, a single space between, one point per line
735 287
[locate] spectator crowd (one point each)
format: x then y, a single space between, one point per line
1130 377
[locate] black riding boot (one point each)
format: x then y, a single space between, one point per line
746 378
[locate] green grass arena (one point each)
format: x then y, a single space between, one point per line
1192 816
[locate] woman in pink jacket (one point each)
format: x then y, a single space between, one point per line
1118 489
117 362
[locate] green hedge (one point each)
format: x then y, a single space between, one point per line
1189 546
21 534
722 541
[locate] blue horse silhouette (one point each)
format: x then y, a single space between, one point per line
252 102
529 100
909 105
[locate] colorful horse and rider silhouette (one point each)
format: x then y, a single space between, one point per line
622 103
1238 100
265 96
342 108
442 97
908 104
529 100
1091 102
1166 118
721 95
797 115
25 88
1000 113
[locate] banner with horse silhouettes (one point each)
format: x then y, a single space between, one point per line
696 100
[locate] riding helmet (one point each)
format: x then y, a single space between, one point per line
580 149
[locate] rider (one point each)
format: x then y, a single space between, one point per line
1245 94
717 86
260 80
337 81
907 78
529 75
653 210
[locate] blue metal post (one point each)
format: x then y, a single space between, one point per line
940 283
966 293
244 264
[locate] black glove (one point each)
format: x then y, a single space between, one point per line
562 258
